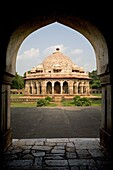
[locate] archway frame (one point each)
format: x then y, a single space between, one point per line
95 37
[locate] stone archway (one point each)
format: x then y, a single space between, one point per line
98 42
49 88
57 88
65 87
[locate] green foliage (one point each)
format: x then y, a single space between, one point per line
48 98
95 84
44 102
24 75
95 81
17 82
67 102
77 101
94 75
81 101
86 101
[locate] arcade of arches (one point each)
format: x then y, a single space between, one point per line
57 75
96 29
57 87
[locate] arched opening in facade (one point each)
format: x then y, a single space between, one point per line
84 88
79 87
49 88
57 88
30 89
40 87
35 88
65 87
100 46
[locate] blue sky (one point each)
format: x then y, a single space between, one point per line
44 41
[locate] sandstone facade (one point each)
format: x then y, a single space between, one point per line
57 75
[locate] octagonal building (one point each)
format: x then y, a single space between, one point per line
57 75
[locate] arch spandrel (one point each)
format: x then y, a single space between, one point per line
84 27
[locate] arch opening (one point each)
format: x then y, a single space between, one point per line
59 87
91 33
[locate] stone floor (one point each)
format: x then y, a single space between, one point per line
57 154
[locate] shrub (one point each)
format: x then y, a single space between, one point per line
81 101
48 98
86 101
42 102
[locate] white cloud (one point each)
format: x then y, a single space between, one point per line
76 51
52 49
29 54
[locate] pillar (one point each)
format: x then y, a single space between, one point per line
61 87
88 89
70 87
81 88
52 87
37 88
6 130
26 88
76 88
106 124
43 87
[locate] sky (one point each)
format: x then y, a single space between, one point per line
44 41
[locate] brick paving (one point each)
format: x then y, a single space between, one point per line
57 154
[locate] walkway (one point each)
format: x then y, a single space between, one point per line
55 122
57 154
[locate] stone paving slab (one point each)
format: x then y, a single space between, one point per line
57 154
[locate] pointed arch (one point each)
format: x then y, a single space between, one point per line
65 87
57 87
49 88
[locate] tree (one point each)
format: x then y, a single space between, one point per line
95 81
17 82
24 75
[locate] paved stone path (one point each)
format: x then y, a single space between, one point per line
56 122
57 146
57 154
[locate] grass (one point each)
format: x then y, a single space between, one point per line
23 104
52 104
29 104
16 95
70 103
95 102
96 94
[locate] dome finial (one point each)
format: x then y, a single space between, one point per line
57 49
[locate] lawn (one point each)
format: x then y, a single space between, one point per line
94 102
70 103
30 104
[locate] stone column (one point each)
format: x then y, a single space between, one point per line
88 89
6 130
76 88
37 88
52 87
61 87
27 88
107 112
43 87
32 85
70 87
81 88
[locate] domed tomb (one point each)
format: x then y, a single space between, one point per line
57 74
